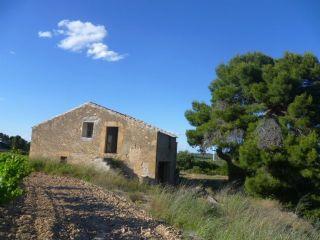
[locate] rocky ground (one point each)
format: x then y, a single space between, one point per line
66 208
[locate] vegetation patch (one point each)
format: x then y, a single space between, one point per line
15 143
112 180
234 216
263 121
13 168
193 163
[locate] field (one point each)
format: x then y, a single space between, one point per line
233 216
215 214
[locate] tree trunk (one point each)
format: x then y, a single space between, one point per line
235 173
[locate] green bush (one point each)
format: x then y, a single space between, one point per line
208 167
188 162
196 169
184 160
309 206
13 168
288 173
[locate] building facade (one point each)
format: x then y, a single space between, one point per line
91 134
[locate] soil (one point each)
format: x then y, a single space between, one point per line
66 208
212 182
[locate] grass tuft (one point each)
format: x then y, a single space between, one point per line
236 216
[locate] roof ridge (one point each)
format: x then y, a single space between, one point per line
113 111
133 118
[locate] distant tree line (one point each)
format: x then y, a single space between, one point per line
15 142
200 163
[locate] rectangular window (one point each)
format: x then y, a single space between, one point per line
112 140
63 159
87 129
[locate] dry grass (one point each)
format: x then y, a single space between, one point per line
112 180
236 216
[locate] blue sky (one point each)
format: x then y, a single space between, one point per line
151 59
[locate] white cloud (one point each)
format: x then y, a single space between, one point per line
12 52
45 34
85 36
101 51
80 34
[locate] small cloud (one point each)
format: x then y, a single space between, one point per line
45 34
1 99
12 52
85 36
101 51
80 35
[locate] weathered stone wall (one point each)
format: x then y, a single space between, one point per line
62 136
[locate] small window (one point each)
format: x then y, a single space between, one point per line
112 140
63 159
87 129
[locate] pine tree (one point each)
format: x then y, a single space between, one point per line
264 120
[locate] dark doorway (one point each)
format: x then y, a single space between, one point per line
112 140
164 172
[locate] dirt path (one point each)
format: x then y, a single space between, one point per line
66 208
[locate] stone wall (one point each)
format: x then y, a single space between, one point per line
137 142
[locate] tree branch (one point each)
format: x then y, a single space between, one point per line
222 155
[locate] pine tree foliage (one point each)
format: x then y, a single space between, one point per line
264 120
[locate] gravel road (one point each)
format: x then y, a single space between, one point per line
66 208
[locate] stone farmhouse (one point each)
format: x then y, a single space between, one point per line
92 134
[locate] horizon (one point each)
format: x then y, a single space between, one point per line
148 60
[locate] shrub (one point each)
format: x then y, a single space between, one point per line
188 162
184 160
309 206
13 168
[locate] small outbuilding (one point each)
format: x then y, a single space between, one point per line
91 134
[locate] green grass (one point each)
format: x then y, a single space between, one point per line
112 180
236 216
208 167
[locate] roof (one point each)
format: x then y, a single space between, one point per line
95 105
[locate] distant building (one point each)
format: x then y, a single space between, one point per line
90 134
